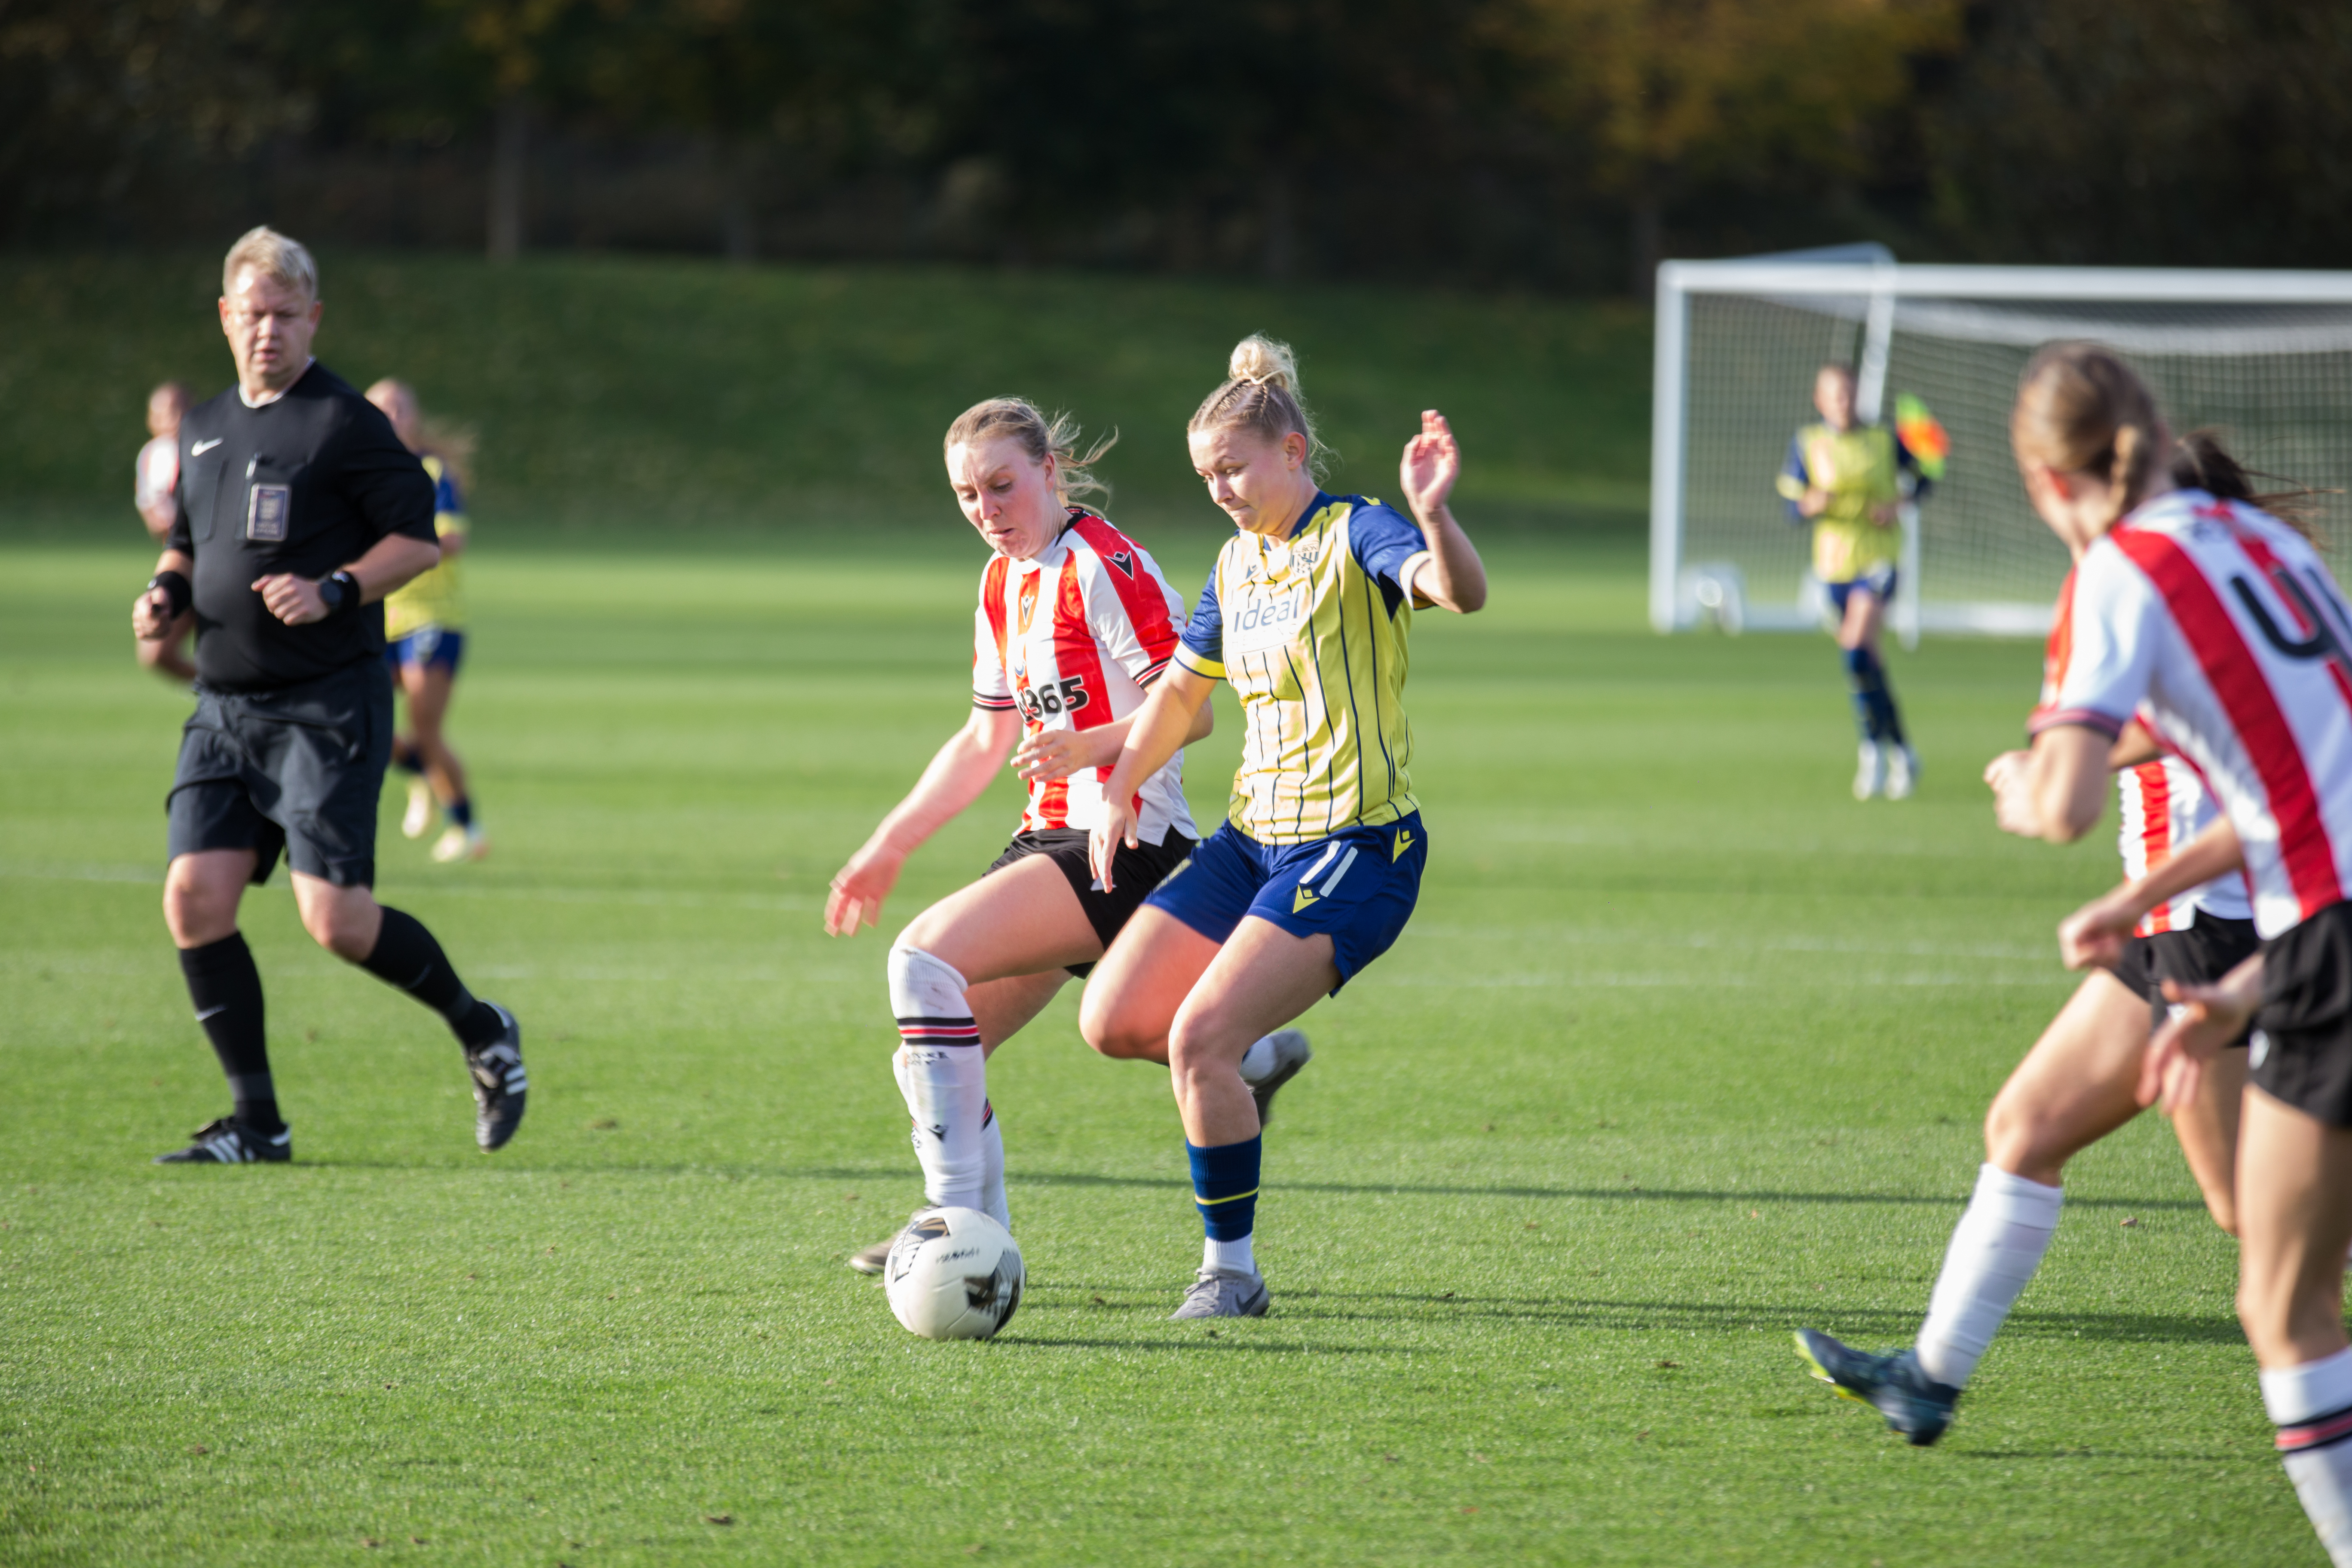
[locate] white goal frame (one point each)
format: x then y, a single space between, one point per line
1867 282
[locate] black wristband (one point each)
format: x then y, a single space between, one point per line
347 602
177 592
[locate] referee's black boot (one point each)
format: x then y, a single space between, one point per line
499 1084
225 1141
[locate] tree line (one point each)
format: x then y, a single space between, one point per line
1560 144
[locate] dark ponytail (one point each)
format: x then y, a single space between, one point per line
2200 461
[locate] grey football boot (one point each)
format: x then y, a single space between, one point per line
1291 1052
1217 1293
870 1259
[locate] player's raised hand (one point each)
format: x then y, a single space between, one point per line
2010 778
1114 827
294 600
2204 1020
854 896
1432 461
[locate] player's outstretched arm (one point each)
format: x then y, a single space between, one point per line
1154 735
957 775
1453 577
1051 755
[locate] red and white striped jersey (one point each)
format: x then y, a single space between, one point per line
2220 627
1072 637
2164 804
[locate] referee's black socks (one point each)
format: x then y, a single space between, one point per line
226 989
406 956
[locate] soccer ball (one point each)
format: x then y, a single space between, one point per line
953 1274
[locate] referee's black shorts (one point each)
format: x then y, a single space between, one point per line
299 769
2198 954
2303 1031
1135 871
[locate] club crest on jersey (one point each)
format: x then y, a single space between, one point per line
1124 560
1027 608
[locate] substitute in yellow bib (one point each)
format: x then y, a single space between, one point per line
424 638
1849 480
1307 614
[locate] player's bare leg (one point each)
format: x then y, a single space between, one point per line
1133 995
2294 1190
1887 763
428 687
2207 1128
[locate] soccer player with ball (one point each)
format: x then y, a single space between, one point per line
1075 623
1317 868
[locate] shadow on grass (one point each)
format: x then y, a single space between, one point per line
1629 1193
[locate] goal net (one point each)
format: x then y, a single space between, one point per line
2265 357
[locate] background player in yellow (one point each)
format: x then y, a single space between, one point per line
1847 480
425 636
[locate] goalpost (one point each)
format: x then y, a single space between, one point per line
2265 356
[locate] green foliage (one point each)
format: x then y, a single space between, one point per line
1682 1049
659 395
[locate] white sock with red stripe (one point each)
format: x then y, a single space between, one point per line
943 1073
2312 1406
1995 1249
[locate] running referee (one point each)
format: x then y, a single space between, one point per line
297 510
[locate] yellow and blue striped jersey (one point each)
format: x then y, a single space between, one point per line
1310 631
432 598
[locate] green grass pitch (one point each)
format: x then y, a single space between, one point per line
1684 1049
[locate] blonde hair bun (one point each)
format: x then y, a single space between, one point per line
1263 361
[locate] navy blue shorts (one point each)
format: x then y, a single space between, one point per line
435 648
1879 580
1357 887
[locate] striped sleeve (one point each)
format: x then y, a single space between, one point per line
990 688
2112 622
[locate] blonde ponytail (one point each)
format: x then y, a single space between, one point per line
1261 395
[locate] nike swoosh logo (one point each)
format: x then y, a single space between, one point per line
212 1011
200 447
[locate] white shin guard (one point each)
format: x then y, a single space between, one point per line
1995 1249
943 1073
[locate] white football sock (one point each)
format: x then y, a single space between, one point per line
2323 1479
2312 1406
1258 1061
943 1073
1233 1257
992 1181
1995 1249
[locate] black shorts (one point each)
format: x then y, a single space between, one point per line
2198 956
2303 1031
1135 871
298 770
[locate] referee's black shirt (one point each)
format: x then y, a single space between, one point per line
305 483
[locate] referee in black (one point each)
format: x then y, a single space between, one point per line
297 510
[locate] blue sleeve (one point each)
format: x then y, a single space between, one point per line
444 494
1794 476
1382 540
1201 648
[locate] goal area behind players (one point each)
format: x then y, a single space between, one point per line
2266 357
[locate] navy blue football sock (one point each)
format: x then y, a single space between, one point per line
404 757
1874 703
460 812
1224 1186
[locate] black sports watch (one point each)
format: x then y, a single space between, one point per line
340 591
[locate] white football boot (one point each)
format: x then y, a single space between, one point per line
1902 772
1870 772
418 819
461 843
